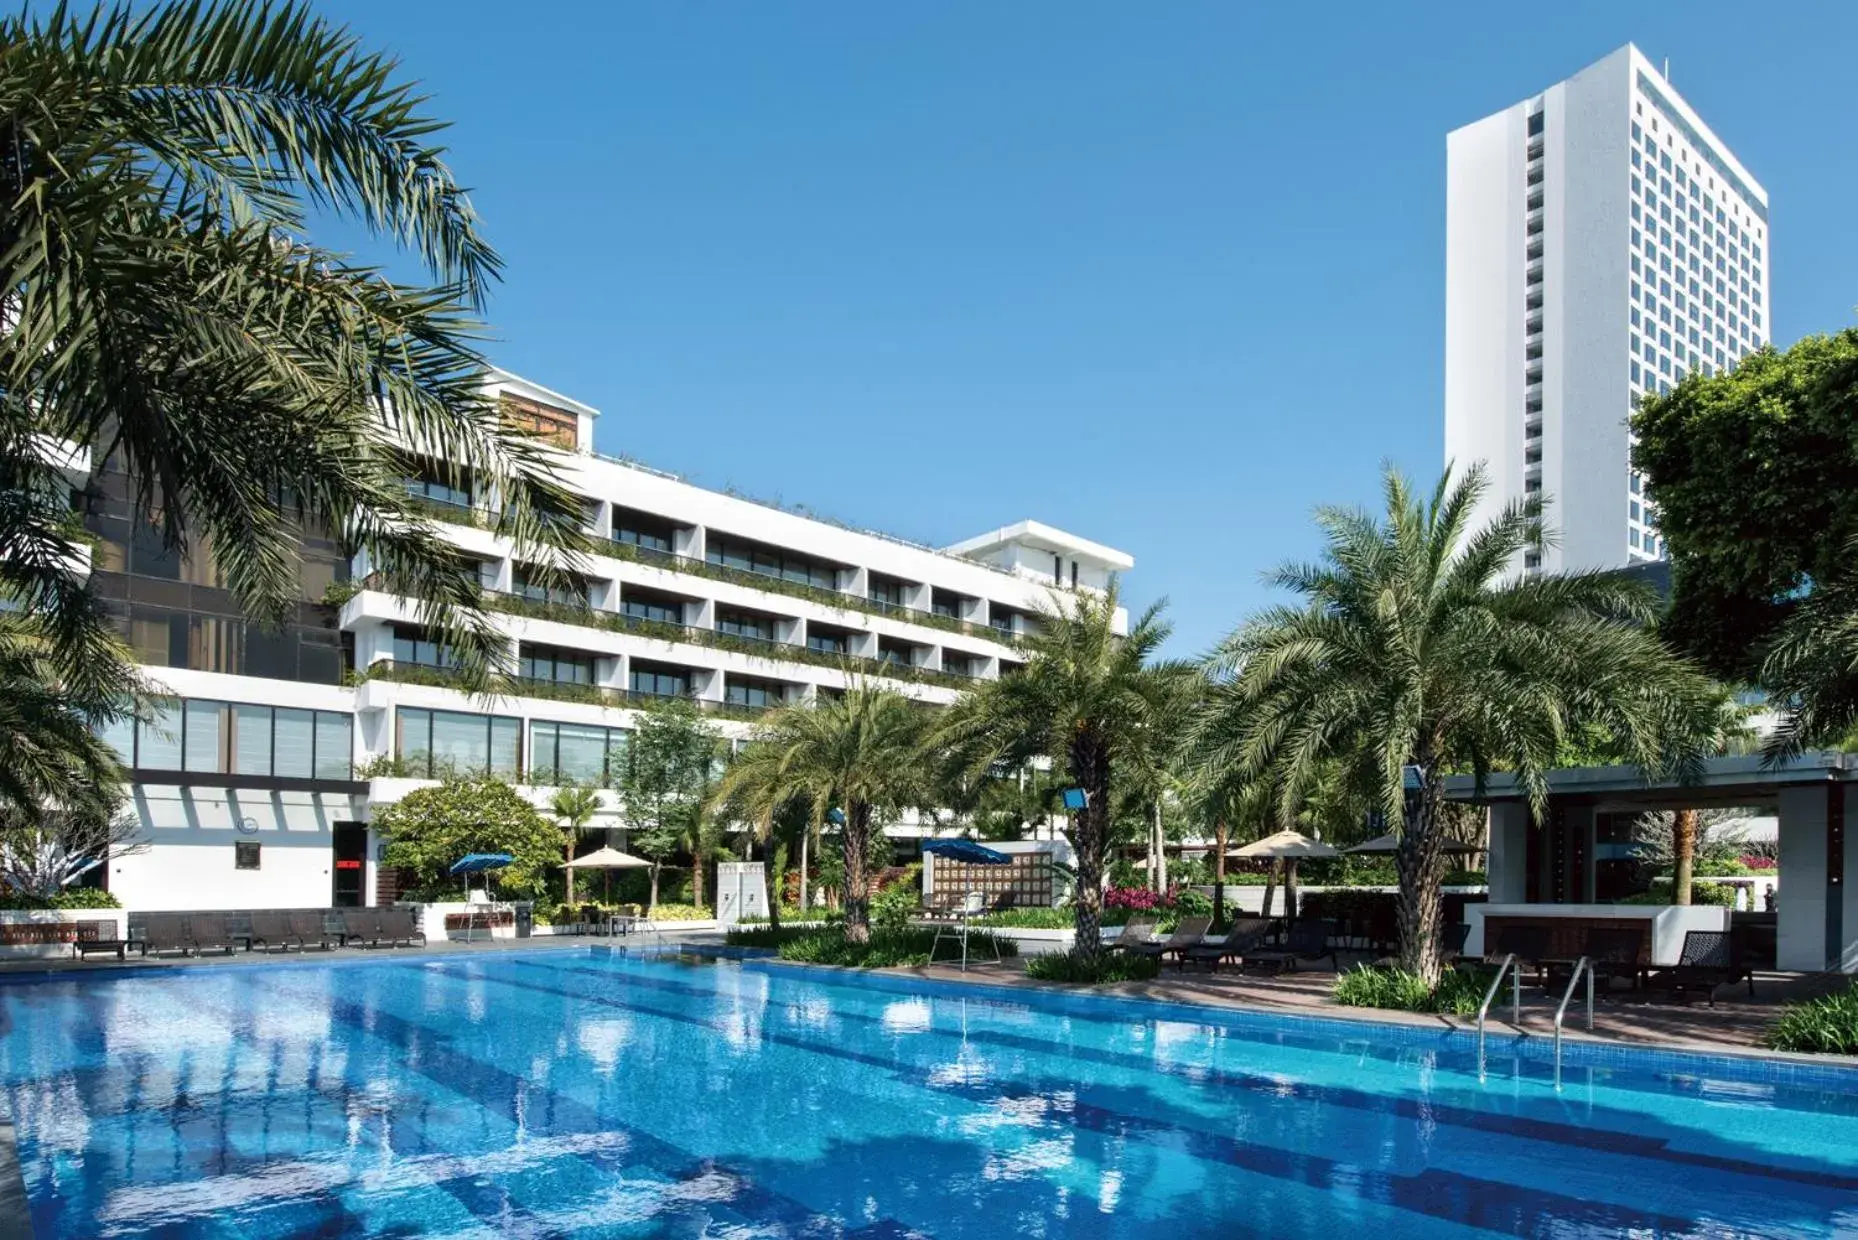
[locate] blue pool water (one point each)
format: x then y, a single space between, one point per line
589 1093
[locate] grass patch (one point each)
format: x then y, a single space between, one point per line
1826 1026
1457 994
886 949
1064 967
1030 919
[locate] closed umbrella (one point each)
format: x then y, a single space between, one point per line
1288 847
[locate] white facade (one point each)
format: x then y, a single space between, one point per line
689 592
1601 243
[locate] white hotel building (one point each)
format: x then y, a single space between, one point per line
256 787
1601 242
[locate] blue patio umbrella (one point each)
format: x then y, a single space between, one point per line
968 851
477 863
474 863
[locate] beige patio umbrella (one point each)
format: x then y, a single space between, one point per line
1288 847
607 858
1390 843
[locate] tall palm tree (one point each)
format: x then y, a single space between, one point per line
168 313
1087 699
574 808
1416 649
857 757
1810 669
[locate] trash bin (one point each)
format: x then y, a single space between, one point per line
525 918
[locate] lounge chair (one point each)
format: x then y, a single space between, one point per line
398 925
361 925
273 931
1244 935
1528 943
164 932
1190 931
207 932
239 929
1307 939
1615 953
103 937
311 928
1709 960
1136 932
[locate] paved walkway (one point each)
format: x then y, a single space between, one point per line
1736 1022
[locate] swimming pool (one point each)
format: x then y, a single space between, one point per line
587 1092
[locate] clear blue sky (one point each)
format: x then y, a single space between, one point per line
1167 276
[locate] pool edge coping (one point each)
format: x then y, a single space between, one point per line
1743 1063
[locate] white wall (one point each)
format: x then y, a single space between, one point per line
1587 332
190 865
1484 198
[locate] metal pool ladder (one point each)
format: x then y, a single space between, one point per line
1515 972
1582 966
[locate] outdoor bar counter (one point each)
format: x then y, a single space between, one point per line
1669 923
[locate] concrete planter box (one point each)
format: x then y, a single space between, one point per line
1039 942
44 934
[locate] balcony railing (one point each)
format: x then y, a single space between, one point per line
777 584
689 634
554 690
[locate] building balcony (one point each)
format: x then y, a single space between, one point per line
388 671
777 584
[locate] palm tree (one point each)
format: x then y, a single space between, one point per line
168 313
1810 669
1416 649
1087 699
574 808
855 758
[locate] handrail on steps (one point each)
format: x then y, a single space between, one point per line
1511 967
1583 965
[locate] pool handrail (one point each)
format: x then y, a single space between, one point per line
1582 966
1515 972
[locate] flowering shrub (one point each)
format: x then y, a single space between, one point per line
1142 900
1759 863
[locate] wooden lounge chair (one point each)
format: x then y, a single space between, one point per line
1709 960
1307 939
273 932
207 932
361 925
1190 931
165 932
1135 932
398 925
99 936
311 928
1244 935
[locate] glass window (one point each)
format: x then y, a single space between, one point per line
506 747
581 756
120 736
202 737
644 607
757 693
659 682
558 666
460 741
251 740
745 624
618 742
294 739
825 643
245 855
335 746
413 738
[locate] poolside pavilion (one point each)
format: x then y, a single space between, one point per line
1562 859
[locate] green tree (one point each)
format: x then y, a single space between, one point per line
1416 649
662 789
858 757
574 808
432 828
169 314
1087 699
1755 475
1811 667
